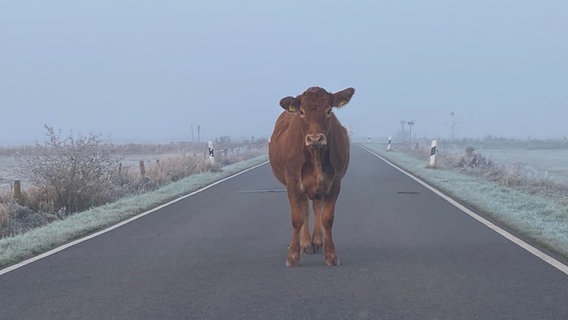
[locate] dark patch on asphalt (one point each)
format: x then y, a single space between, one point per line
408 192
262 190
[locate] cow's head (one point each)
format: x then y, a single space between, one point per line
314 107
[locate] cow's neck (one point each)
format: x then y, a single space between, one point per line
316 158
314 180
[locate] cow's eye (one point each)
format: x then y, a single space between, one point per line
328 112
301 112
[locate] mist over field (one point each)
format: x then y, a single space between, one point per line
147 72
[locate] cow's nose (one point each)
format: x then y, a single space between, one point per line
316 140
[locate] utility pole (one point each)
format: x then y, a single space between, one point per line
402 122
192 134
198 135
410 124
453 124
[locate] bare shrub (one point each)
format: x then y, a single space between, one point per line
474 161
71 173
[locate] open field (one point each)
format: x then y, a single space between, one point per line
550 163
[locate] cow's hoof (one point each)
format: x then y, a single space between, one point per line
317 247
292 261
307 249
332 261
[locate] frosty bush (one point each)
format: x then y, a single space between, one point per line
72 174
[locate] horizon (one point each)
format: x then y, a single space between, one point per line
353 140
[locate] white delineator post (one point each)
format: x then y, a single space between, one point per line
211 154
433 154
389 145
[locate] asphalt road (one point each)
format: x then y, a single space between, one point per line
405 253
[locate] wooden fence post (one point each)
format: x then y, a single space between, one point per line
142 168
17 189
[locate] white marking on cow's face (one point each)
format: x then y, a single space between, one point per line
316 123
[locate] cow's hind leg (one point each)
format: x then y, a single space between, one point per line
317 236
299 213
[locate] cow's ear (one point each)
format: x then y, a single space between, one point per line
290 104
342 97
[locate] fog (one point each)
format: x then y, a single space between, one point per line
146 71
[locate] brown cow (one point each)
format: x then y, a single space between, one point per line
309 153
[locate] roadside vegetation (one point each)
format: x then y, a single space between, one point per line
463 156
67 175
532 204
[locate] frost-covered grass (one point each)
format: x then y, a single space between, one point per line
541 218
18 248
551 162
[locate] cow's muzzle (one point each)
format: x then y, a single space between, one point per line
316 140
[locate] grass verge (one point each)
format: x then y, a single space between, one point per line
542 219
37 241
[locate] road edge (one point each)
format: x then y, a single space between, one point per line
509 236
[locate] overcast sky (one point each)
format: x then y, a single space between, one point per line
145 71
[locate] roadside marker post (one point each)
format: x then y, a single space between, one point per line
433 154
211 154
389 145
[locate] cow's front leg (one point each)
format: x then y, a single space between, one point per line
327 216
317 236
331 258
305 239
299 213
